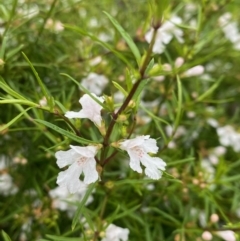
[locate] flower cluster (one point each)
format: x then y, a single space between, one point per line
82 159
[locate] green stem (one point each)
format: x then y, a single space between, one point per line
142 70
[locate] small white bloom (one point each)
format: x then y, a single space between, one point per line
64 201
7 187
191 114
95 83
115 233
226 235
165 34
43 101
25 229
137 149
181 131
81 160
230 29
95 61
209 171
212 122
90 109
229 137
219 150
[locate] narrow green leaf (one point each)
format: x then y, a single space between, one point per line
3 47
140 89
154 117
120 88
5 236
128 80
126 212
64 132
15 101
127 38
166 215
174 163
43 88
13 120
160 129
105 45
133 182
9 90
210 90
199 18
59 238
179 104
13 52
150 65
230 179
81 205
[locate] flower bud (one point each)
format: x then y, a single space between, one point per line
179 62
206 235
131 104
121 118
102 129
115 144
1 62
195 71
99 169
214 218
109 184
109 102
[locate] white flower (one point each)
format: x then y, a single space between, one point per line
137 149
81 160
95 83
90 109
165 34
64 201
115 233
230 29
181 131
229 137
7 187
226 235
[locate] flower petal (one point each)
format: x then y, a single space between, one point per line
73 114
154 166
150 145
70 178
88 151
138 141
134 161
90 172
65 158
